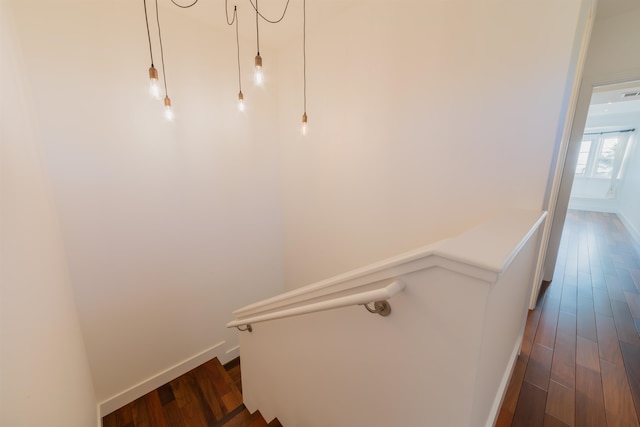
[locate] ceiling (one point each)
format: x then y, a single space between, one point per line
623 98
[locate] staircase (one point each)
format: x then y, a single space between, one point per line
207 396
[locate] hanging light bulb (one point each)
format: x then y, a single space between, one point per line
154 85
168 111
304 124
240 101
258 77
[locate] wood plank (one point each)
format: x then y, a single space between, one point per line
635 276
625 327
625 280
240 420
568 299
633 300
601 303
274 423
109 420
531 405
546 333
173 414
586 319
229 394
608 346
140 413
587 354
561 403
563 366
257 420
616 293
631 356
504 419
124 416
618 402
188 402
551 421
539 367
211 395
233 397
157 416
589 398
165 393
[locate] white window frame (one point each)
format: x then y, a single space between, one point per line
595 152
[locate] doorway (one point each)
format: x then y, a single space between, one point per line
607 170
590 88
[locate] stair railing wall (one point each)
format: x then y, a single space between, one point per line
442 358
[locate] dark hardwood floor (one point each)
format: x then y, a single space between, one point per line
208 396
580 358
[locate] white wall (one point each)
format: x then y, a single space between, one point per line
44 373
167 227
425 118
608 61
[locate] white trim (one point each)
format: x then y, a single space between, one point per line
635 235
233 351
504 384
129 395
562 153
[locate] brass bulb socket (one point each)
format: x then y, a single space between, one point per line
167 101
304 118
240 96
258 61
153 73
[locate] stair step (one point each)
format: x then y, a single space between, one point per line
274 423
206 395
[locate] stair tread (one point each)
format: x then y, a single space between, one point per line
274 423
257 420
206 395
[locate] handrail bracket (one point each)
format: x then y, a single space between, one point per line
383 308
246 328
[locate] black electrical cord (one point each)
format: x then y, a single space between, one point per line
284 12
146 18
187 6
164 74
304 52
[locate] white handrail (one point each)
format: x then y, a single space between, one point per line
355 299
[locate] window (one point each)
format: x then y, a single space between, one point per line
583 157
600 156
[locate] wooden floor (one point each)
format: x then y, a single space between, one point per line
208 396
580 359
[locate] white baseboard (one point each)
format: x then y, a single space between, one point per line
119 400
632 231
502 389
232 353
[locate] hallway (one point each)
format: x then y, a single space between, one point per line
580 358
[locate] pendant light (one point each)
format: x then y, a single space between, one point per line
258 77
154 87
168 109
